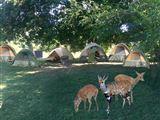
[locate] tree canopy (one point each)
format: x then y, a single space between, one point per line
76 22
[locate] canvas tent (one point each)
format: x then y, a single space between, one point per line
7 53
99 52
136 59
60 54
119 53
25 58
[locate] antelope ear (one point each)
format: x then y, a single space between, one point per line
104 81
98 77
137 73
143 73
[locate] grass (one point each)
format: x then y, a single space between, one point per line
48 93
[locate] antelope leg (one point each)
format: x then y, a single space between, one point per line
90 103
95 98
85 105
124 100
108 108
131 96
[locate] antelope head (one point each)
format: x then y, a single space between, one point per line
101 81
140 75
77 102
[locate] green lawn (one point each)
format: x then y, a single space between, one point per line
48 93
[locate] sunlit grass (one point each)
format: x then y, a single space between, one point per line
2 86
27 72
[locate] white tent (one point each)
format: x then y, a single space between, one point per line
62 55
100 54
119 53
58 53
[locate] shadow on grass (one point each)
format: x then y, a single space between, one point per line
48 94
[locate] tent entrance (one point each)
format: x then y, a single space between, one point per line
120 50
54 57
97 54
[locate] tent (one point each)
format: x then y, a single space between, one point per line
136 59
25 58
119 53
60 54
99 52
7 53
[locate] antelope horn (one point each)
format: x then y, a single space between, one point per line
143 73
104 77
99 77
137 73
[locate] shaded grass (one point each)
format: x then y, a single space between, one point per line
48 94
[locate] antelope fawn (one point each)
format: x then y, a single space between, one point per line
84 94
112 89
130 81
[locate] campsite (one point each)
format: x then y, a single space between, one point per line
47 90
79 60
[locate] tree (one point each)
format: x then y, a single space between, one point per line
30 21
150 12
77 22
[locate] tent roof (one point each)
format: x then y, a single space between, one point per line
61 51
134 54
25 54
92 45
136 59
9 48
127 51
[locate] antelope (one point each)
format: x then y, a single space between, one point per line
112 89
84 94
130 81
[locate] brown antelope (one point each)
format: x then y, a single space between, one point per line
128 80
84 94
112 89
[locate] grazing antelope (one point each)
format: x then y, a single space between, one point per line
112 89
130 81
84 94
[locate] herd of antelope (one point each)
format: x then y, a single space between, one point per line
121 86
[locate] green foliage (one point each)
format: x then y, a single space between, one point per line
150 12
28 21
77 22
